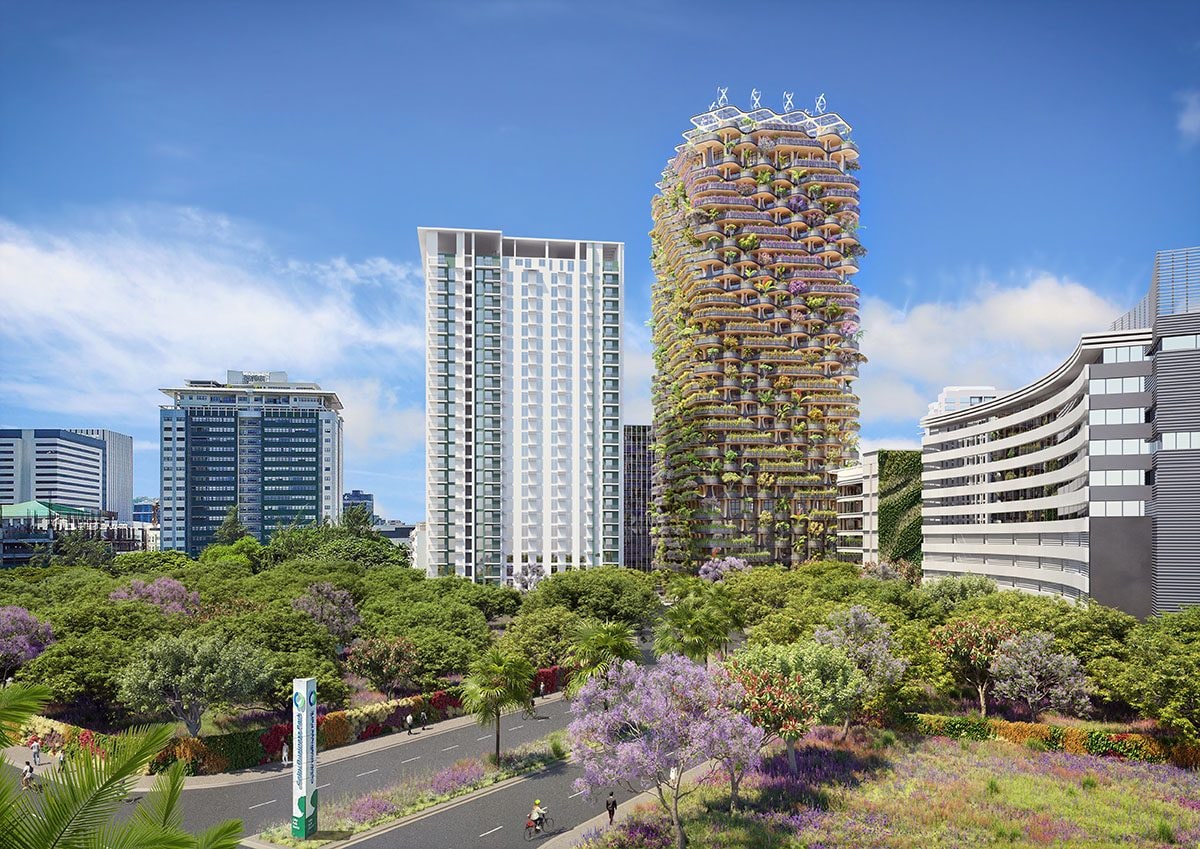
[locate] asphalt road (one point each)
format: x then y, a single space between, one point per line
496 820
260 804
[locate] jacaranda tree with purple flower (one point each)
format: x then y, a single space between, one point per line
331 607
642 727
167 594
22 638
867 641
718 567
1026 669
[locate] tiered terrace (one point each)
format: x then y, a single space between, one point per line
755 326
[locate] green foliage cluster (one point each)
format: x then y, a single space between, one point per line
900 506
603 594
1153 666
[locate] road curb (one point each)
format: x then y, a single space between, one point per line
353 750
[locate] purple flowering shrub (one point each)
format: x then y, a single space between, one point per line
368 809
641 830
167 594
717 569
1027 670
22 638
458 776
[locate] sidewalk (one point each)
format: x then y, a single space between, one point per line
17 755
568 839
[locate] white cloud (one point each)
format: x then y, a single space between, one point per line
97 318
1005 336
1189 117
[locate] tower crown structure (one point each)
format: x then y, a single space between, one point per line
755 325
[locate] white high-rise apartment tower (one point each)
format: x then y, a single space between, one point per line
522 413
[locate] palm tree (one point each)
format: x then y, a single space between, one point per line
596 646
79 806
498 680
699 624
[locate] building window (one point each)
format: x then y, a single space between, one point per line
1116 385
1180 343
1181 441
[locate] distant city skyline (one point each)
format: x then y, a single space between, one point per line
169 210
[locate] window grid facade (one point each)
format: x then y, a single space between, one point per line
271 447
523 393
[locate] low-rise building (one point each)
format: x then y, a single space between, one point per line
1086 482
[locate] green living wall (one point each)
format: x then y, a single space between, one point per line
900 506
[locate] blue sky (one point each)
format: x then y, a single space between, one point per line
191 187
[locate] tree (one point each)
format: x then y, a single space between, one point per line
867 641
84 803
1162 677
946 594
80 548
187 674
167 594
22 638
969 646
699 624
641 727
357 521
1027 670
498 681
791 687
601 593
386 662
231 529
775 702
543 635
330 607
81 669
595 647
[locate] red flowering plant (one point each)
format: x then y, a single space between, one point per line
970 646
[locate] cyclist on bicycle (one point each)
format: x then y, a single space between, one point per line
27 776
538 815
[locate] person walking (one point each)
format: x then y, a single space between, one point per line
542 688
58 759
286 752
424 720
35 749
610 805
408 723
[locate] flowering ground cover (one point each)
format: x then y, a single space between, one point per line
936 793
350 815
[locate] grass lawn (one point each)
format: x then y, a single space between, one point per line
938 793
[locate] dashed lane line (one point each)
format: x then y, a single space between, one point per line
493 831
368 772
448 748
260 804
410 760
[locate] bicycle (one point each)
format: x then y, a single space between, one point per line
531 828
31 783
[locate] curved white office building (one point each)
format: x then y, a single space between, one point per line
1084 483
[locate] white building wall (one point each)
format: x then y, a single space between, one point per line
52 465
978 488
118 470
535 493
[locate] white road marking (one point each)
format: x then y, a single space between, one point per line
493 831
516 727
542 718
322 786
484 737
368 772
448 748
259 805
410 760
573 795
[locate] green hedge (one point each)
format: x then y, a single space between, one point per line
1079 741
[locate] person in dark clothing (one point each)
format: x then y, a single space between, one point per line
611 806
